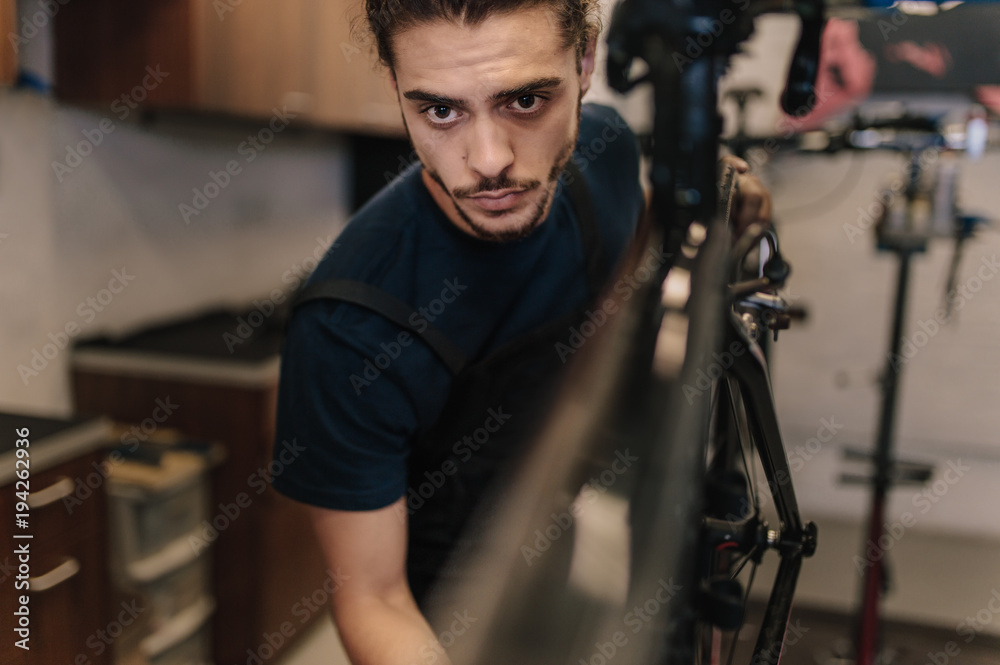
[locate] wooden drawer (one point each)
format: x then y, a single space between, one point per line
68 567
271 542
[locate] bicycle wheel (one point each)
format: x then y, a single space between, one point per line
623 400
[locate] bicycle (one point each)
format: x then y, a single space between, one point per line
626 390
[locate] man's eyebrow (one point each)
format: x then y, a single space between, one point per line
523 89
530 86
431 98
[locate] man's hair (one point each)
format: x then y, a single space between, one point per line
578 20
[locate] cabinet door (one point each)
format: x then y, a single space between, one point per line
242 57
257 55
8 57
251 56
69 620
351 92
123 54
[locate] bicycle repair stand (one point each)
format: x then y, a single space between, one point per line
903 232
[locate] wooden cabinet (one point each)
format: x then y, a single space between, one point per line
68 600
105 51
265 556
252 57
8 56
242 57
351 90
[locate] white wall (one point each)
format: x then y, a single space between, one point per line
119 209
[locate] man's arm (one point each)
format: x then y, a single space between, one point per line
378 620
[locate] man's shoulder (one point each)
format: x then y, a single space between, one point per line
607 154
601 123
606 143
597 115
377 233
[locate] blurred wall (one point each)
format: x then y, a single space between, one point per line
942 552
91 204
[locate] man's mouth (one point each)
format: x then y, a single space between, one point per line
498 200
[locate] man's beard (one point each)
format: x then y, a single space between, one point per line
502 182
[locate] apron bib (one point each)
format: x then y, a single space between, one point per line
509 392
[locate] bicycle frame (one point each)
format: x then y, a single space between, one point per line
795 539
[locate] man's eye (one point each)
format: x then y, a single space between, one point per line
440 114
527 102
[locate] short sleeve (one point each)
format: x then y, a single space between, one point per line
344 411
611 149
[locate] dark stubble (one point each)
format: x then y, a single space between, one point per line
503 182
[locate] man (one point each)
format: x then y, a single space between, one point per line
424 349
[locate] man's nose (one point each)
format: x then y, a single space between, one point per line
489 150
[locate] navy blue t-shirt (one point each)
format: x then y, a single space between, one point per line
356 390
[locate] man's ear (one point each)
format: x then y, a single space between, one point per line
587 65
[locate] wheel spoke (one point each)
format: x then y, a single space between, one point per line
746 599
743 562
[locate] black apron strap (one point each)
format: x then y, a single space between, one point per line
398 312
389 307
593 248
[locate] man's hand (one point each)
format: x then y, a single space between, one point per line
752 203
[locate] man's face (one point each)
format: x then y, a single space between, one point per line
493 113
